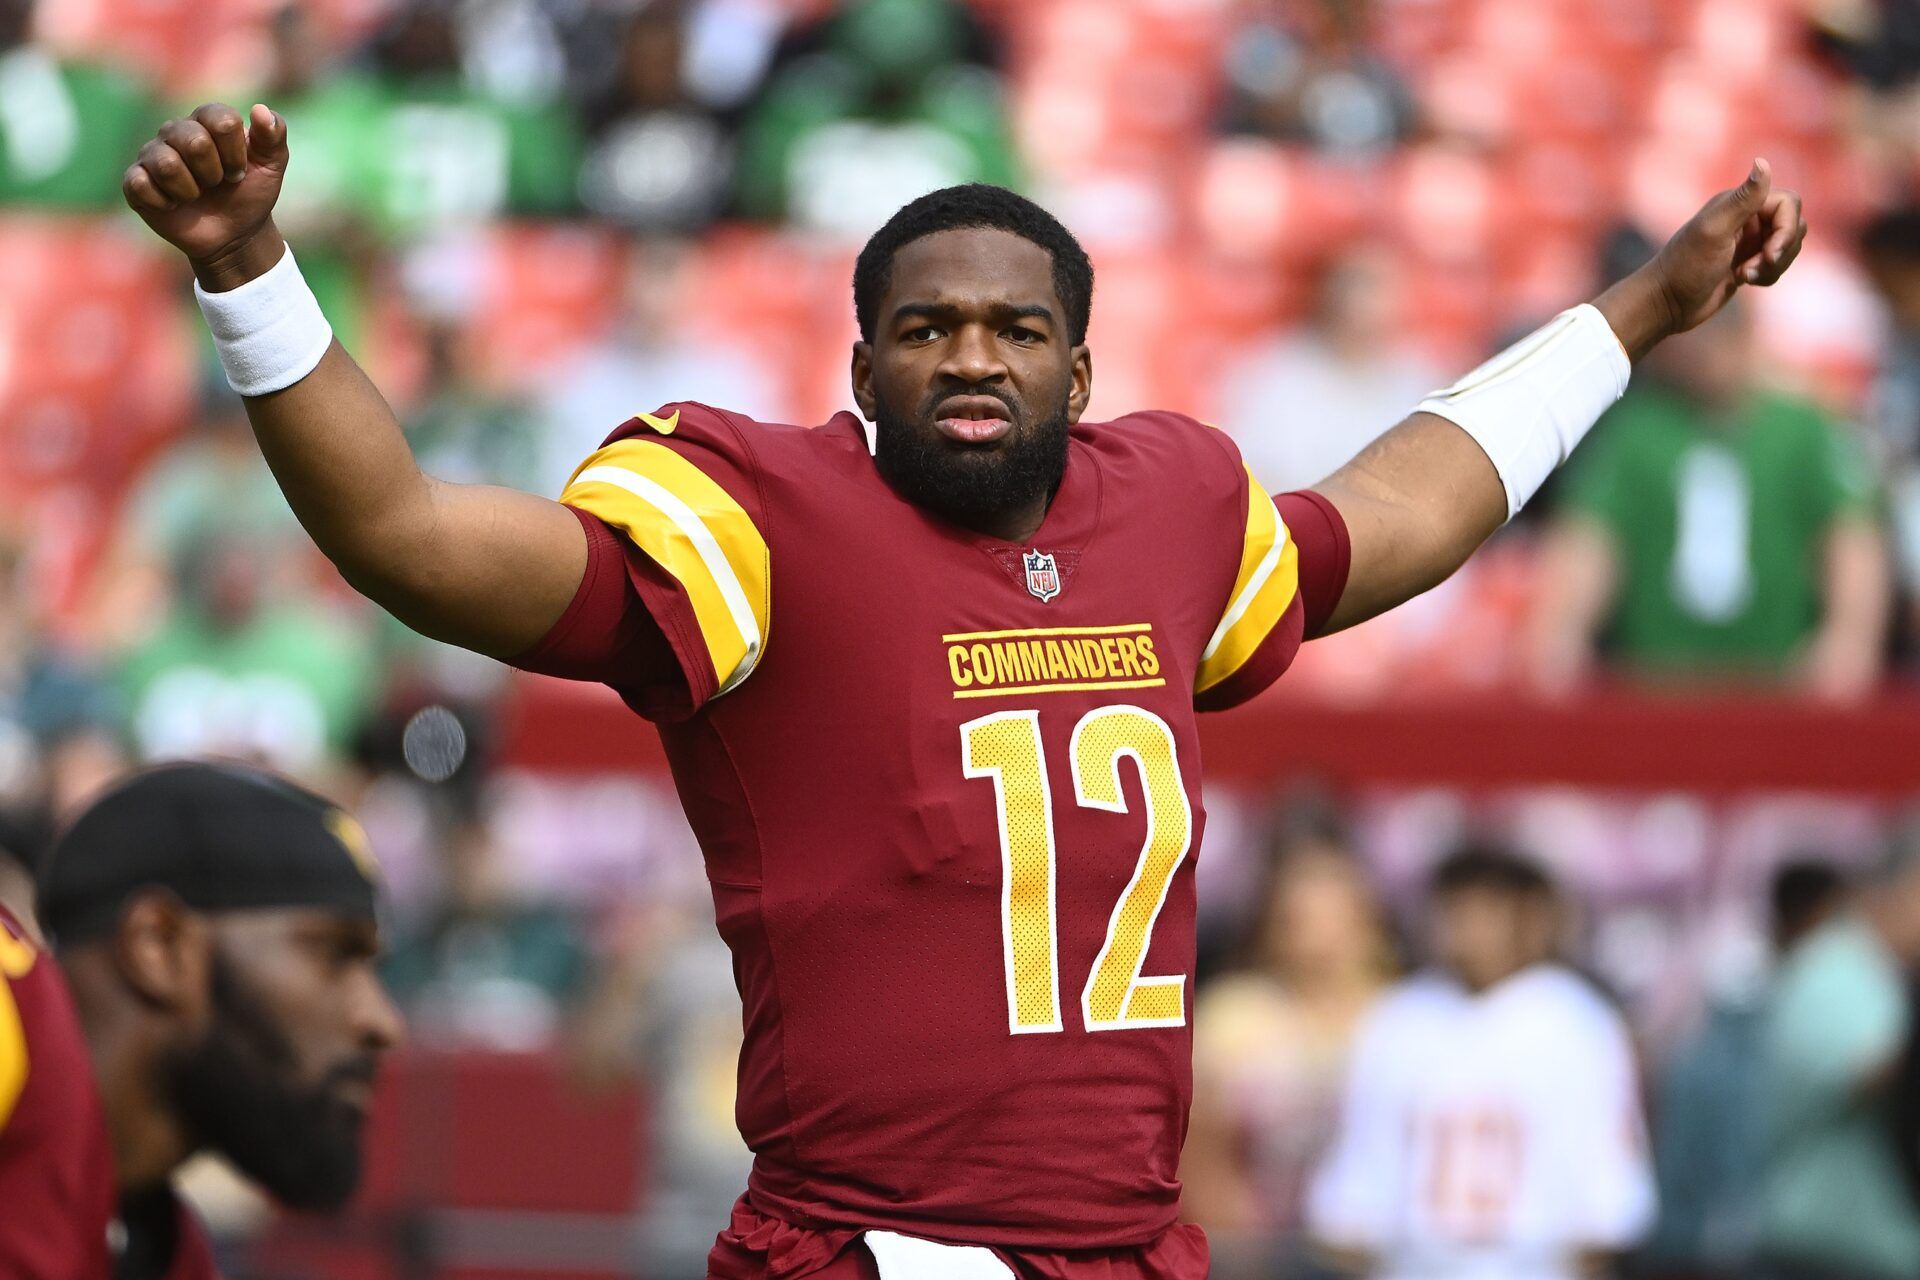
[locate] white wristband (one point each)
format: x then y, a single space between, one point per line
269 332
1531 404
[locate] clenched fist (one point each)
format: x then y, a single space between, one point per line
207 183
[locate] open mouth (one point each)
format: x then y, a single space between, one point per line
973 419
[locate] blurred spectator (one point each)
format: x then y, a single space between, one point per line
68 129
1270 1050
1876 40
45 689
238 669
1707 1141
1491 1124
656 159
461 428
1714 529
211 484
489 965
1834 1202
1877 43
649 357
1305 71
883 106
1301 405
1891 247
409 145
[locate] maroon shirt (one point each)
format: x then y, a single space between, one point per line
57 1179
948 791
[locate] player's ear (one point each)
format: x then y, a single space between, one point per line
1082 391
161 949
863 379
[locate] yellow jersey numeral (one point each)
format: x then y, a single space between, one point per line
1006 747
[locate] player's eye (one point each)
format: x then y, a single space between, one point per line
1024 336
923 333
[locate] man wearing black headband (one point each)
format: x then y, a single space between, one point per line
215 926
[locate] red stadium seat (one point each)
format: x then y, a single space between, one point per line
175 43
96 363
550 288
1445 203
1255 198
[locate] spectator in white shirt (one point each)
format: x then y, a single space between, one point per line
1491 1127
1302 404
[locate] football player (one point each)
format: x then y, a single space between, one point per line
214 991
949 796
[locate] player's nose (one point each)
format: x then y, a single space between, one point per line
377 1021
973 356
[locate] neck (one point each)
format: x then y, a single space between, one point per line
1010 526
148 1141
1889 925
1349 348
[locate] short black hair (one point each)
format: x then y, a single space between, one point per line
1481 865
976 204
1801 889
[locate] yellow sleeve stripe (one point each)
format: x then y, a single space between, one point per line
13 1053
1269 579
689 526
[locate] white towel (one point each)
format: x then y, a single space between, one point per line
907 1258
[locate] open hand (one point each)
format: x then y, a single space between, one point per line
207 182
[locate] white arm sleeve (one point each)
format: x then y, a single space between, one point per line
1531 404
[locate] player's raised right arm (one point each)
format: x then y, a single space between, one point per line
486 568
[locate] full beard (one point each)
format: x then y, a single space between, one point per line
968 485
235 1093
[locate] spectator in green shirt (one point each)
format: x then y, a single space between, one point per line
1715 530
886 108
411 146
1834 1203
237 670
66 127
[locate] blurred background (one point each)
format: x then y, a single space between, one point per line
1682 687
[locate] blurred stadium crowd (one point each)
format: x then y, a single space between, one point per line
533 218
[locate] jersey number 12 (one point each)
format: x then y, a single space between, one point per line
1006 747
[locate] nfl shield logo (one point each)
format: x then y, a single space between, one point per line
1043 575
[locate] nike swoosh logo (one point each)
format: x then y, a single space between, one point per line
665 426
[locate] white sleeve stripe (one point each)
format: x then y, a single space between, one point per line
1244 601
695 531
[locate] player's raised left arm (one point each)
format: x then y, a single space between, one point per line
1422 497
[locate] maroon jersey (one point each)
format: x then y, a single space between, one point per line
948 792
57 1180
